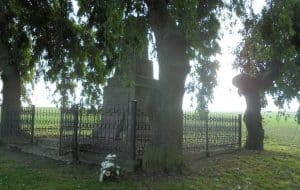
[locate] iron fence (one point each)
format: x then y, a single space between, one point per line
17 124
36 122
47 122
122 129
143 132
208 133
105 130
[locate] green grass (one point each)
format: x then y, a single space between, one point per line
280 129
278 167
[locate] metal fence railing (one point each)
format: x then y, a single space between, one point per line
17 123
105 130
204 132
47 122
122 129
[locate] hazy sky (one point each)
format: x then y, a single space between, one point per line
226 96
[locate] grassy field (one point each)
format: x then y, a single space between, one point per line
282 129
278 167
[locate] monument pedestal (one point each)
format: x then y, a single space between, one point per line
116 121
116 93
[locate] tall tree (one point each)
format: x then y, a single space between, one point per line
17 60
183 31
43 38
269 59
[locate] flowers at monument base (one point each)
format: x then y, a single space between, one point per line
109 169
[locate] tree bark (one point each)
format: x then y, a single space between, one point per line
11 105
250 88
165 154
253 121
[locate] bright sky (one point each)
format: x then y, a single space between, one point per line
226 96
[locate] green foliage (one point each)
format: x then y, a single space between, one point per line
198 22
271 40
119 36
200 25
46 39
15 37
69 55
83 48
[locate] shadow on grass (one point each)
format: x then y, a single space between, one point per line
278 167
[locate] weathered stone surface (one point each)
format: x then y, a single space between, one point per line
143 83
117 95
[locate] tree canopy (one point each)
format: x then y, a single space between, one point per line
45 39
180 31
197 21
272 42
68 49
86 46
269 60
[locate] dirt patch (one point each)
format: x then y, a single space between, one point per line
37 162
14 153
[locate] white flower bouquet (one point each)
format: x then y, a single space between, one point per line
109 168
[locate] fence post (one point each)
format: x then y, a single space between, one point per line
75 151
32 122
206 135
133 117
61 131
240 131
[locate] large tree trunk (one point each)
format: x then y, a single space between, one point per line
11 105
253 121
165 154
250 88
